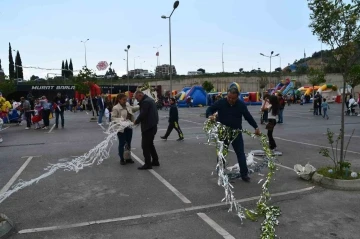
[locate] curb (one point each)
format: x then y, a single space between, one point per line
339 184
7 227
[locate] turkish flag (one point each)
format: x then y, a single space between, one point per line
157 53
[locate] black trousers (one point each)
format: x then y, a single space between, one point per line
174 125
148 147
46 115
272 143
28 119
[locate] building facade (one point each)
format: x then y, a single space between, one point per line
164 70
135 72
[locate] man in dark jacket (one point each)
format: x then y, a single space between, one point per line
149 118
173 121
60 103
230 112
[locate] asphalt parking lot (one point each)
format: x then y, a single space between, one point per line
179 199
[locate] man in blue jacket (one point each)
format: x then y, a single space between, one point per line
230 112
173 121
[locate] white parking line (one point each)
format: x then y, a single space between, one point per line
215 226
52 127
166 183
17 174
313 145
188 209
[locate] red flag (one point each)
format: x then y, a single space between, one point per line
157 53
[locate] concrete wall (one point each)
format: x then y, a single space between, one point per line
247 84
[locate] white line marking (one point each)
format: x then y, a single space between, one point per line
215 226
346 135
52 127
17 174
313 145
183 128
192 122
102 126
188 209
2 129
197 137
166 183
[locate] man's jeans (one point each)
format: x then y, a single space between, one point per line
281 116
57 113
238 145
101 115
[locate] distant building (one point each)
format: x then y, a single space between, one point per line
132 73
164 70
194 73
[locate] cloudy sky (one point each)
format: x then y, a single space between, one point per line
47 32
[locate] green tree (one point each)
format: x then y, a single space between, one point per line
208 86
18 66
202 70
336 24
7 87
71 69
62 69
33 77
263 82
354 76
82 81
11 64
66 69
316 77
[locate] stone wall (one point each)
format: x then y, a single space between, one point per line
247 84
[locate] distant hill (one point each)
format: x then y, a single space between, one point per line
316 61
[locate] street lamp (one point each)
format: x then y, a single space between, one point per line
127 67
271 56
157 54
85 50
222 56
176 4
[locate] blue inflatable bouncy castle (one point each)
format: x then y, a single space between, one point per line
197 93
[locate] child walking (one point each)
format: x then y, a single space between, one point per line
325 107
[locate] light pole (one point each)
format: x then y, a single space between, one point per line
271 56
222 56
157 54
176 4
127 67
84 42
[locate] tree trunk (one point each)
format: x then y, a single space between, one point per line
342 132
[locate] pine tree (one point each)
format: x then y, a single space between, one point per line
62 69
0 65
71 68
11 64
18 66
66 68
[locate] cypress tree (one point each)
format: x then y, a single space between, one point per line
18 66
11 64
0 65
62 69
66 72
71 68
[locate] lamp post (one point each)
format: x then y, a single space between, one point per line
222 57
157 54
84 42
176 4
270 56
127 66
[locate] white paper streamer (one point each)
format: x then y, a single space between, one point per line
95 155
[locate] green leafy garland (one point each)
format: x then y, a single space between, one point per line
223 136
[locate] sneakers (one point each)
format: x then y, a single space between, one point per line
129 161
27 128
180 139
1 140
122 162
155 163
145 167
163 137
